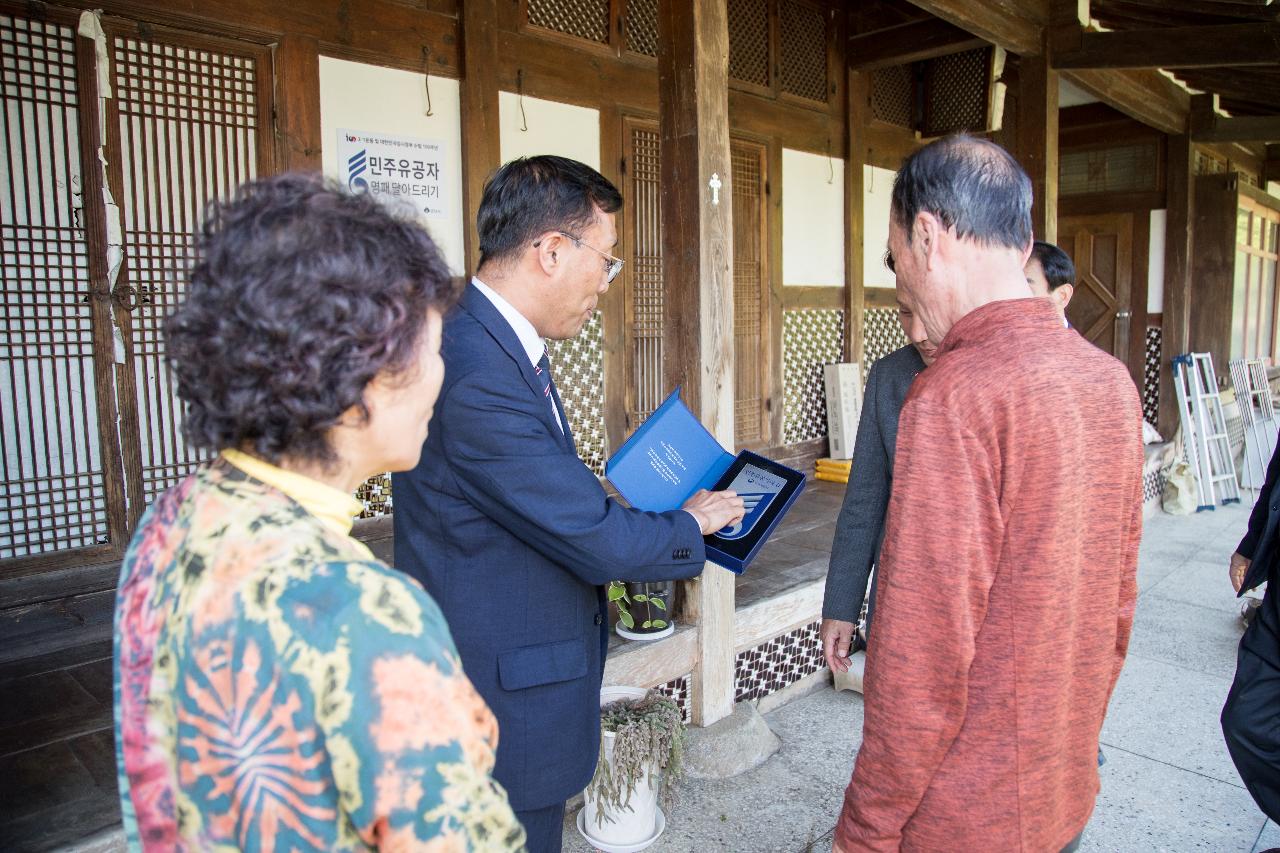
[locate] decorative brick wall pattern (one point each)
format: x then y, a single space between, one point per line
780 662
810 339
577 366
1151 377
679 690
881 335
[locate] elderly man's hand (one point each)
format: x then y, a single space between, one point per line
714 510
837 638
1239 565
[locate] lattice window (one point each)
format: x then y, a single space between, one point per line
881 335
577 366
645 276
585 19
188 121
1123 168
956 92
748 292
810 339
802 50
1209 163
54 494
892 95
642 27
749 41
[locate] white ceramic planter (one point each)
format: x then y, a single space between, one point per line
630 829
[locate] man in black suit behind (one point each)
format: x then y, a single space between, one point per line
1251 716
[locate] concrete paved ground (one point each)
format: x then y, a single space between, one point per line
1168 784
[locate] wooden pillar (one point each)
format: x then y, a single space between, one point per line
697 256
857 109
297 70
1037 136
481 150
1175 333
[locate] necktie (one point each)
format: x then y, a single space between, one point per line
543 371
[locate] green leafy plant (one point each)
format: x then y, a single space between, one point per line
617 593
648 735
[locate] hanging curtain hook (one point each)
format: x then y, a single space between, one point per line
426 75
524 121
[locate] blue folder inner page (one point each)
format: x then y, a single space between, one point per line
667 459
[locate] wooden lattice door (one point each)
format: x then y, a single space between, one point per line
751 333
643 285
189 122
90 430
58 438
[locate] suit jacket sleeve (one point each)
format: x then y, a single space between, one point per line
506 464
861 517
1258 518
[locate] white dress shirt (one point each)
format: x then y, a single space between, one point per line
533 344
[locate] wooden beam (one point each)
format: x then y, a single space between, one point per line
481 153
1271 164
1175 337
297 67
1243 129
382 32
697 255
1010 24
1037 141
1176 47
909 42
859 109
1148 96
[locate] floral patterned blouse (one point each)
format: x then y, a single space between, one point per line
278 688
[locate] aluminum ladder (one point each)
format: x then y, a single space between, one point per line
1204 429
1257 414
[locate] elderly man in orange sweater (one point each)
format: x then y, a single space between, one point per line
1010 555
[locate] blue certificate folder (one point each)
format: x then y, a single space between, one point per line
672 455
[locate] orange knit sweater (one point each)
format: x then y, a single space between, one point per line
1006 594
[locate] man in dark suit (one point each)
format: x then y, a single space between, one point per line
1251 716
508 530
860 525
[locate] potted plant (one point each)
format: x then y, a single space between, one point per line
641 738
644 609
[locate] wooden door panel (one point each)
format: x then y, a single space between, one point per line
1101 247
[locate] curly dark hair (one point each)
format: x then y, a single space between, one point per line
299 294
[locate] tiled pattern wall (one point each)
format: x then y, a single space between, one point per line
1151 377
782 661
678 689
577 365
810 339
882 334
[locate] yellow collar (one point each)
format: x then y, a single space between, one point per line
335 508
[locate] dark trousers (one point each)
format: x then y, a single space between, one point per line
544 828
1251 717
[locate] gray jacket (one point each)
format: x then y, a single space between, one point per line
860 527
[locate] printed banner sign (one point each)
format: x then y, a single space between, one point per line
397 167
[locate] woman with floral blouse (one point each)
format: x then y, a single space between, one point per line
277 687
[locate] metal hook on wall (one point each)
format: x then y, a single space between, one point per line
524 121
831 166
426 75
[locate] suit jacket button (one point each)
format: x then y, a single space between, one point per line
599 619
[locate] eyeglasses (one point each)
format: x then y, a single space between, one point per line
612 265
